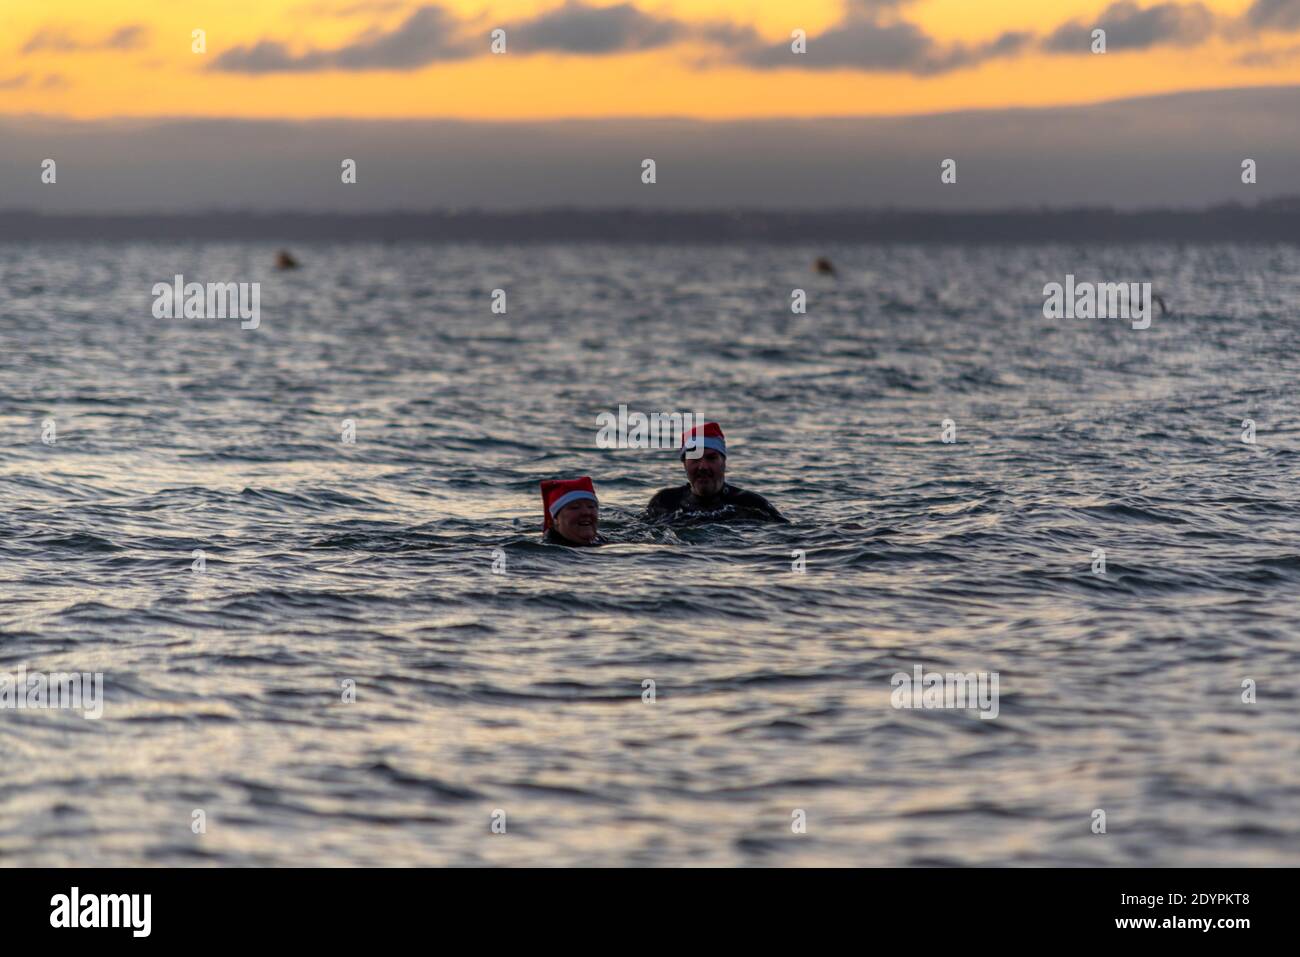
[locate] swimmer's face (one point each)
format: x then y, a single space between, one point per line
577 522
706 473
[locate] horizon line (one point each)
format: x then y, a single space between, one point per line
625 118
1287 202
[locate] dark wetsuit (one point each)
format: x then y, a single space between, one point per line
731 505
552 537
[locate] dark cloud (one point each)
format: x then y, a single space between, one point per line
428 35
1274 15
726 34
51 81
354 9
578 28
56 40
870 45
853 44
1007 45
267 56
871 8
127 38
1130 27
870 37
432 34
1264 58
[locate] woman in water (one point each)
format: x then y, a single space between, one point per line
571 512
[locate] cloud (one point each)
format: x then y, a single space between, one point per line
1130 27
862 45
868 40
871 8
56 40
1008 44
578 28
428 35
266 56
871 36
432 34
127 38
1268 57
1273 15
352 9
51 81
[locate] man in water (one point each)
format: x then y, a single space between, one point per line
706 496
571 512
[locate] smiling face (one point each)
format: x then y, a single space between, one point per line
706 473
577 521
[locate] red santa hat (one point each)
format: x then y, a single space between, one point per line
709 435
557 493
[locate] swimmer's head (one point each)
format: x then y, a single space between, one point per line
705 472
571 508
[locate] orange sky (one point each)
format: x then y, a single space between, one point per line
161 76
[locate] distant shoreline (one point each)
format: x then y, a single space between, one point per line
1272 221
